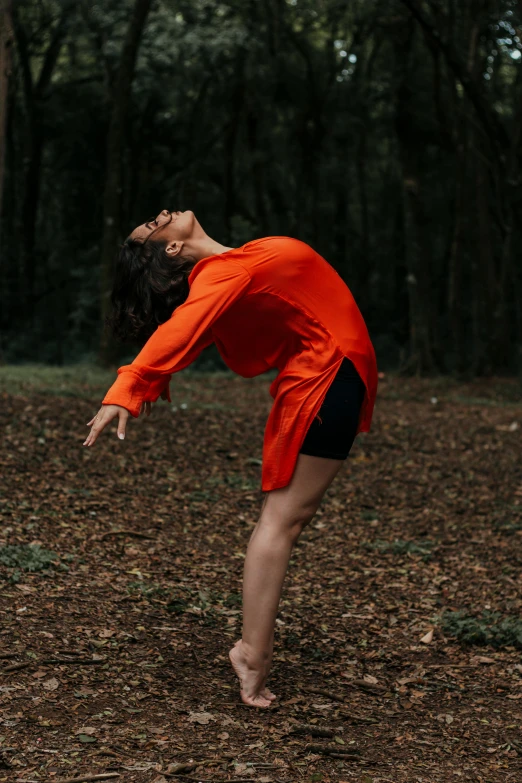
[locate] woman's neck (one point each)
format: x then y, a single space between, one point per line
206 246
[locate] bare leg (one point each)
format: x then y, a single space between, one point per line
285 513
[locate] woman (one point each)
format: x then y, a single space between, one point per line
272 303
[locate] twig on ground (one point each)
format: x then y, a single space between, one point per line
75 661
367 686
204 780
334 750
322 692
62 651
82 778
16 666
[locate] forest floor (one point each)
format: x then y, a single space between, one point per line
399 636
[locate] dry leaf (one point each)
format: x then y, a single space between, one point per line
200 717
428 638
369 678
51 685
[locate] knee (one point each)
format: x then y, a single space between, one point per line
295 522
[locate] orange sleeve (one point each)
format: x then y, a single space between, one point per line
177 342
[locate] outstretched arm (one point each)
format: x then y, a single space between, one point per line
177 342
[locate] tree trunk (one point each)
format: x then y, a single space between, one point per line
417 240
6 46
34 90
120 95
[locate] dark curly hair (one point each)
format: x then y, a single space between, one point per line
148 286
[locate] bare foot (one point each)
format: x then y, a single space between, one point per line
264 691
252 676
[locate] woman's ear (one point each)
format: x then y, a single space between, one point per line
174 248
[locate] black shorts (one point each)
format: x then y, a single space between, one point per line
332 432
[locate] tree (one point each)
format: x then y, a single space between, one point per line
120 92
6 41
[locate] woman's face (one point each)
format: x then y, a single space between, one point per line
168 227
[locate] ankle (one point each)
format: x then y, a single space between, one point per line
254 655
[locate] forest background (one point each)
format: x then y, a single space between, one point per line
385 133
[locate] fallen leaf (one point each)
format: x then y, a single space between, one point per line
428 638
369 678
51 685
39 673
200 717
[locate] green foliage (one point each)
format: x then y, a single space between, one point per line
488 629
337 123
27 557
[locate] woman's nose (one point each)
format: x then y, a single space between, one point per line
165 212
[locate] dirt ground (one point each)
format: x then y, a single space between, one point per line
114 653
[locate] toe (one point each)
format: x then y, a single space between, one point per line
255 701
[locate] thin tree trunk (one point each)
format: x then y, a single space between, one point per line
6 47
34 90
112 197
417 240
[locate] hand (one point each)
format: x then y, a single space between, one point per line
104 416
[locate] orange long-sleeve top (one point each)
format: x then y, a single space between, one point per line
272 303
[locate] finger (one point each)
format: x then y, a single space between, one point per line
100 422
122 423
93 435
89 423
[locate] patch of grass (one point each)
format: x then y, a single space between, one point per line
83 379
74 380
489 629
27 557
